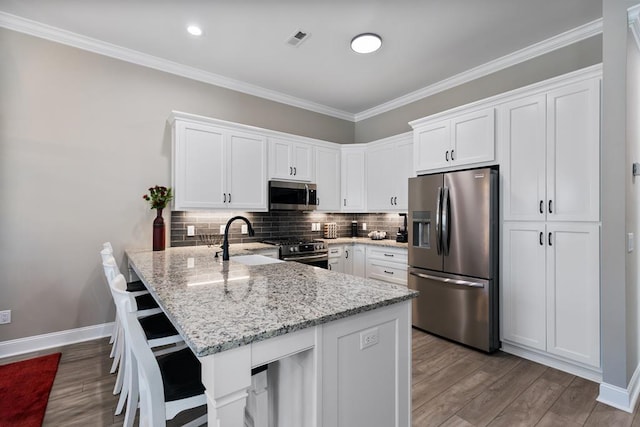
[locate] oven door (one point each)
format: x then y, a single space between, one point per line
321 260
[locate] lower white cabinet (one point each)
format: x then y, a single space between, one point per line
336 258
387 264
359 260
551 288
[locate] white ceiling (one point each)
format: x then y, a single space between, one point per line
424 42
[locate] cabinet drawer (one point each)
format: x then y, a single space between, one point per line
388 254
335 251
388 272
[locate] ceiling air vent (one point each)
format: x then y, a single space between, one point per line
297 38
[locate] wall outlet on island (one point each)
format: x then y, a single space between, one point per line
5 317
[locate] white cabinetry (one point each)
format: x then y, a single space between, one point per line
551 297
461 139
328 178
552 155
290 160
389 166
387 264
353 179
359 260
336 258
550 281
217 167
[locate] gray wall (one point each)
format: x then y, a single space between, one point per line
573 57
618 358
633 195
82 136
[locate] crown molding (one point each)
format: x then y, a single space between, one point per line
69 38
58 35
633 14
561 40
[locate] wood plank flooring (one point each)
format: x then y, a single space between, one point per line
453 386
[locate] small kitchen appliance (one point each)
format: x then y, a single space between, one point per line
403 235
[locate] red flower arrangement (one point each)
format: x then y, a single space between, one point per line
159 197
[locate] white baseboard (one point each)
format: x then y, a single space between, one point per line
55 339
546 359
621 398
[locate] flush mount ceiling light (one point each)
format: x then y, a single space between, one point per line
194 30
366 43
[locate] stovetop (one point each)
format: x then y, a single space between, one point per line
294 246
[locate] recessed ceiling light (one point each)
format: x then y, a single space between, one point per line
366 43
194 30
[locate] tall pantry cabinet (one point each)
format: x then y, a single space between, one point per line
550 284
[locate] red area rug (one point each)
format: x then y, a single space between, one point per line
24 390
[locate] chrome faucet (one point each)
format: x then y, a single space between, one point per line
225 242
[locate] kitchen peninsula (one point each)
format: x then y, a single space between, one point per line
236 317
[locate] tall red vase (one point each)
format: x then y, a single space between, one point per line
158 232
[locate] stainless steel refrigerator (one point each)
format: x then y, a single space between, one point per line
453 255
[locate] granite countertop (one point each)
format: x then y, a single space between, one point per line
365 241
220 305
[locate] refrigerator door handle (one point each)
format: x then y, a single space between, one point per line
438 225
448 280
446 231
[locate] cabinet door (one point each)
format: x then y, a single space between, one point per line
199 178
347 259
523 168
280 165
359 261
473 138
522 292
404 153
247 171
431 146
573 152
382 178
573 291
328 178
353 180
302 161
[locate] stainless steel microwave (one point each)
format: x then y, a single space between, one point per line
292 196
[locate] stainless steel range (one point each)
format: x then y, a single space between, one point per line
312 252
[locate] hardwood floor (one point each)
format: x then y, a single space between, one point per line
453 386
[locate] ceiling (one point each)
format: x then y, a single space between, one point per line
244 41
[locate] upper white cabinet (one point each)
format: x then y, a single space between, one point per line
460 139
353 167
290 160
218 167
551 168
328 178
389 166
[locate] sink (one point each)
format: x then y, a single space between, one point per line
254 259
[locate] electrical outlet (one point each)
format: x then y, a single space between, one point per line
191 230
222 229
313 226
364 226
368 338
244 229
5 317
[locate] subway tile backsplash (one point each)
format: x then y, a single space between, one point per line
275 225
